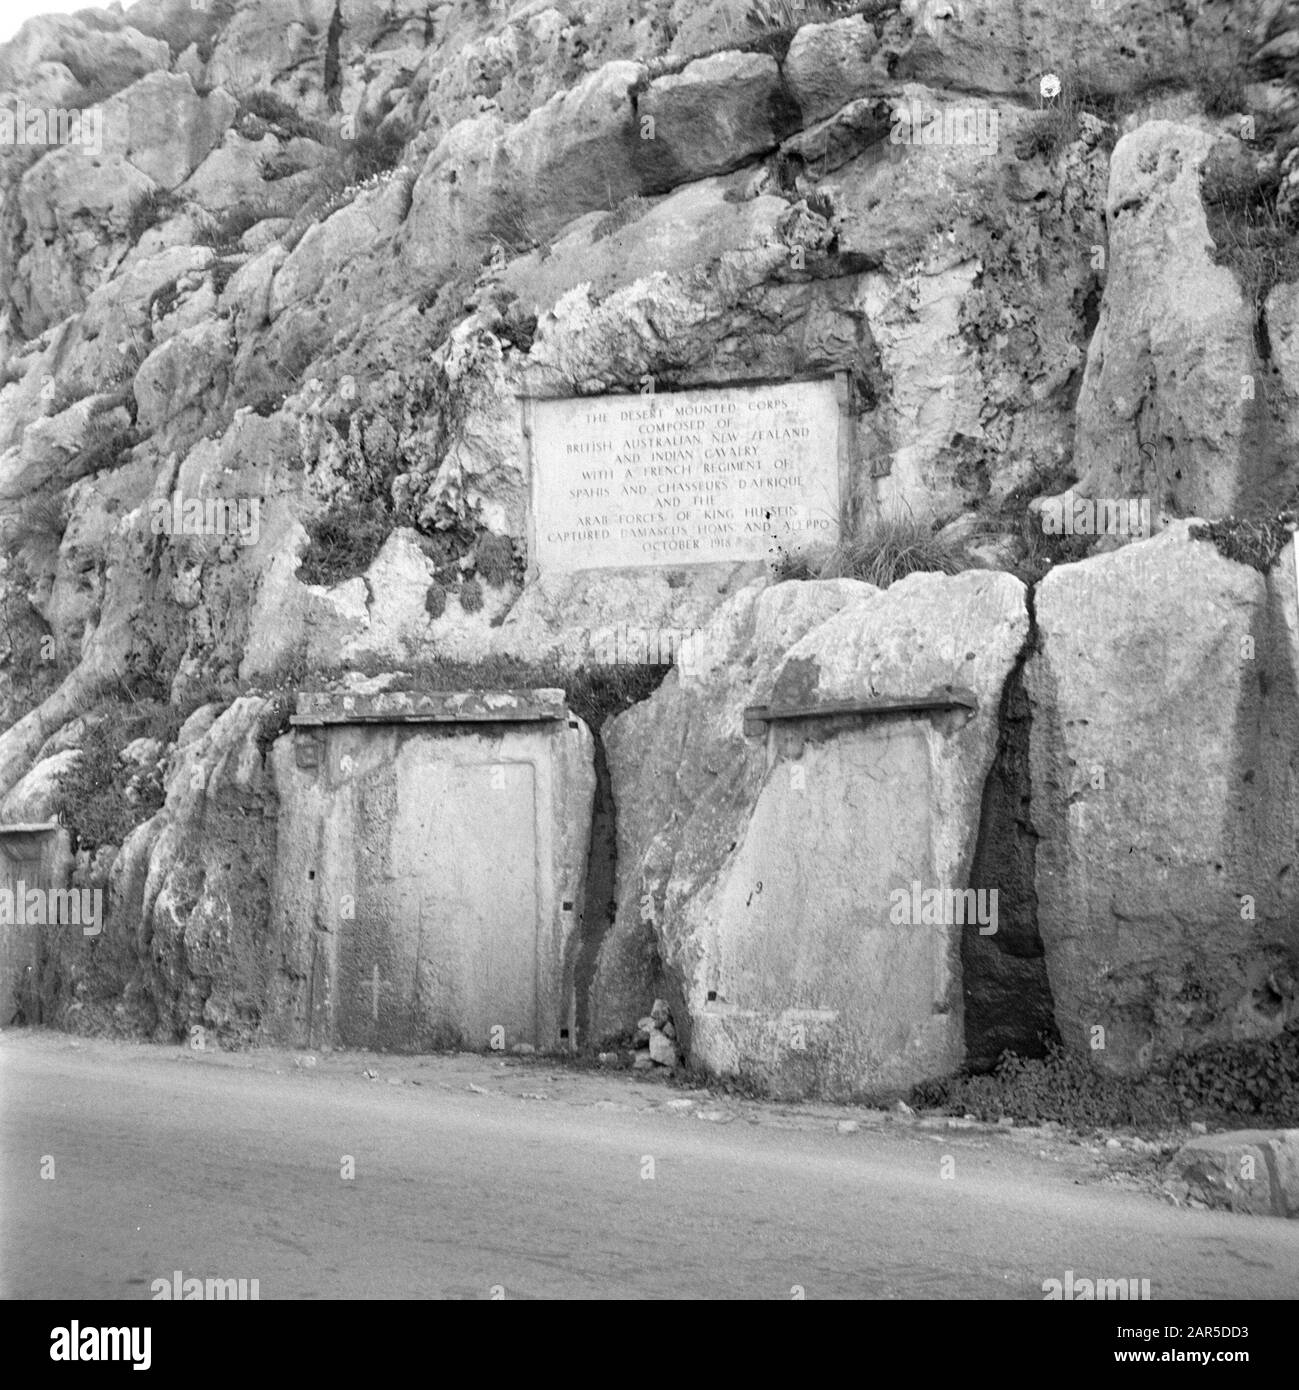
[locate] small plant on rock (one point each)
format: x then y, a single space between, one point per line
889 548
35 531
276 112
93 793
1256 242
29 665
471 595
1056 125
494 559
150 208
65 395
345 538
1254 541
106 440
511 224
1219 71
223 233
435 600
164 299
628 211
374 152
132 354
1039 552
222 271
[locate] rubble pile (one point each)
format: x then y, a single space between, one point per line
656 1039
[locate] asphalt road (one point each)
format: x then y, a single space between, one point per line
474 1176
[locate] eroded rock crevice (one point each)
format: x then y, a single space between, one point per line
1008 1004
598 897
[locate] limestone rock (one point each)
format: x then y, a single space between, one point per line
374 215
248 291
69 53
70 736
74 208
179 383
1250 1171
231 175
988 47
571 152
49 445
187 893
714 115
35 798
829 65
1162 413
98 347
76 202
717 850
142 753
520 184
162 127
264 40
1282 393
1164 712
197 725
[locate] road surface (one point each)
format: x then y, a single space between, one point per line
476 1178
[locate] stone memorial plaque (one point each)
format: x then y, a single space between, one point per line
685 477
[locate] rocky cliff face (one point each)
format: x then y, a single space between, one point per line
319 248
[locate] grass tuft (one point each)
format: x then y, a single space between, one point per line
471 595
885 550
494 559
106 440
628 211
277 113
65 395
33 534
435 600
1256 242
93 796
1257 542
150 208
345 538
223 232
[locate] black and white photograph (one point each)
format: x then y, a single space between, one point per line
649 651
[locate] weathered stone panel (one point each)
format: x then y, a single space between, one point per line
432 854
